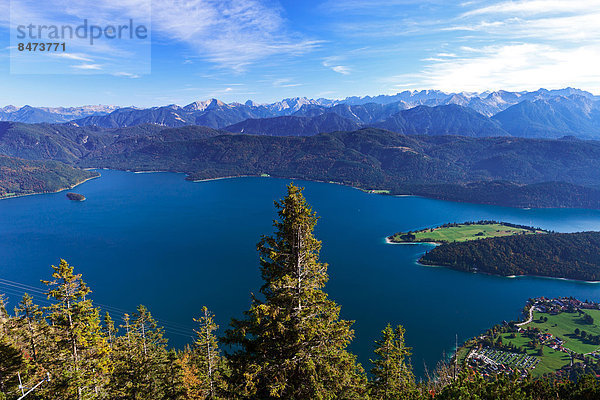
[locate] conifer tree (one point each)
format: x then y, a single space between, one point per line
30 324
80 360
109 329
392 373
141 365
174 388
192 385
12 361
4 317
206 356
121 385
292 344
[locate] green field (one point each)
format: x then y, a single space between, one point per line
564 324
460 233
551 361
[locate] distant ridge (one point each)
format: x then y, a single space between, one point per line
217 114
472 119
442 120
294 125
575 115
421 120
33 115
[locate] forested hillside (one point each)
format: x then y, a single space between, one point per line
506 171
501 170
19 177
559 255
69 142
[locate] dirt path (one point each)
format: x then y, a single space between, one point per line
530 317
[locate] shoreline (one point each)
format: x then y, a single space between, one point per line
134 171
510 276
225 177
388 241
368 191
56 191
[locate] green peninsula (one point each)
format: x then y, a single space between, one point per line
463 232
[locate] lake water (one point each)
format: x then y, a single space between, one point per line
174 245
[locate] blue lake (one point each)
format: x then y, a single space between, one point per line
174 245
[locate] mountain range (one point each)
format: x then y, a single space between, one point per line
555 117
366 111
543 113
33 115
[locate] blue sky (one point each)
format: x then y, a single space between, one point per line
267 50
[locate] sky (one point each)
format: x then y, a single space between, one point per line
267 50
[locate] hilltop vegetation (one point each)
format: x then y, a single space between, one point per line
462 232
19 177
558 255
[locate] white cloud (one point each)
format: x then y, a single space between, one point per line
230 33
513 66
92 67
333 64
73 56
373 7
285 82
341 69
537 7
126 75
573 28
517 45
